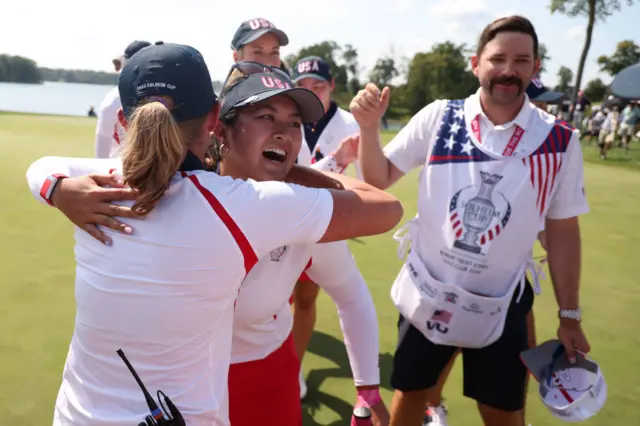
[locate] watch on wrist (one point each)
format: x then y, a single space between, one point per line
49 185
574 314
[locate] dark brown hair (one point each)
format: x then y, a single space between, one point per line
514 24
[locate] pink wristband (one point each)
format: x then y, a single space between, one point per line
369 397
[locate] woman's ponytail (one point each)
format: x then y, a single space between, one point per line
152 154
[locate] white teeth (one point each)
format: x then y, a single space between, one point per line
276 151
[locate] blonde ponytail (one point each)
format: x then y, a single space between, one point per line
152 154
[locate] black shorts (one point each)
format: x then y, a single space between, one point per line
493 375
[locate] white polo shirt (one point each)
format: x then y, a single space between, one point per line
263 318
109 133
165 295
480 209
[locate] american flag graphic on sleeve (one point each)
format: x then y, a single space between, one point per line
544 164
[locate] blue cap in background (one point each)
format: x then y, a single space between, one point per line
312 67
253 29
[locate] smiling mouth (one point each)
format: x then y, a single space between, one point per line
275 154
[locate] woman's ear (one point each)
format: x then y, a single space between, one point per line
213 117
122 119
220 131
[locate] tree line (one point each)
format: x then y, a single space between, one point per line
18 69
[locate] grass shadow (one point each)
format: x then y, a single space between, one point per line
333 349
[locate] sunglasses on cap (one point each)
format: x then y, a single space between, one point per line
241 70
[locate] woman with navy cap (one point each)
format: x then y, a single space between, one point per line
165 293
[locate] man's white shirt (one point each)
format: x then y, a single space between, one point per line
109 133
166 294
479 213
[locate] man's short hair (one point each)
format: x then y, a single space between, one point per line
515 23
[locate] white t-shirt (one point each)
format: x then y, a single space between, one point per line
263 318
481 248
165 295
109 133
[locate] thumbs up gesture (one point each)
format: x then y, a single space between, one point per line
369 105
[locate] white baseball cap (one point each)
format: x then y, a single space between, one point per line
572 392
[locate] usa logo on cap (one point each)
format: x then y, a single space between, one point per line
256 24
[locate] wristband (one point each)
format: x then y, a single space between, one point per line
49 185
333 166
369 397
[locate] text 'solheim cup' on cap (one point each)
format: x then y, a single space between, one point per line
253 29
259 87
166 69
571 392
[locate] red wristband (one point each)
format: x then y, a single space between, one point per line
49 185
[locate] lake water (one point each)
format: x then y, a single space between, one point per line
62 98
52 97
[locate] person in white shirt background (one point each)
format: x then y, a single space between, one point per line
436 412
321 139
108 131
165 291
491 177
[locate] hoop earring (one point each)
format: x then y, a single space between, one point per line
224 150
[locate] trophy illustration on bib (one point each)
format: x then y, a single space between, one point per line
478 214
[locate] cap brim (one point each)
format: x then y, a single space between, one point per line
311 109
550 97
282 37
313 76
626 84
537 359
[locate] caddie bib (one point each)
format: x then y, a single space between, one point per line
479 216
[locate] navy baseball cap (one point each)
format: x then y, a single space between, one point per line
262 85
538 93
167 69
134 47
253 29
312 67
130 50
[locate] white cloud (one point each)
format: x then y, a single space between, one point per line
575 33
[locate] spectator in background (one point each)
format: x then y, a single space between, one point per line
109 133
628 120
581 105
91 112
608 131
595 123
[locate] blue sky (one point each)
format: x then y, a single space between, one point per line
85 34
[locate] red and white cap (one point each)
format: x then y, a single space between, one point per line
572 392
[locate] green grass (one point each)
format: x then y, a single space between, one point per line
37 305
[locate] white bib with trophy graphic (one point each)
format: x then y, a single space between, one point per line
479 214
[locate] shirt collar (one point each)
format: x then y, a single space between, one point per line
191 162
472 108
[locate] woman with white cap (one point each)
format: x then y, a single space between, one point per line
170 306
